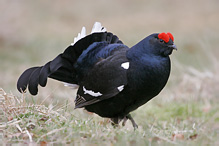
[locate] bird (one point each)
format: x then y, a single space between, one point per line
111 78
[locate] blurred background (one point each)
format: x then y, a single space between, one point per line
34 32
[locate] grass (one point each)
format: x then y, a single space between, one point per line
184 113
159 123
182 116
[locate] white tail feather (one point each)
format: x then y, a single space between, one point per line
96 28
73 86
83 32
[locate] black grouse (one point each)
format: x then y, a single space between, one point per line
112 79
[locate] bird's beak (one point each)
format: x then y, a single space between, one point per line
173 47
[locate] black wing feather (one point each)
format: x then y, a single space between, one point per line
105 77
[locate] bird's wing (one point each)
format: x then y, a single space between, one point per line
107 78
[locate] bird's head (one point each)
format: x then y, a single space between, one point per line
162 43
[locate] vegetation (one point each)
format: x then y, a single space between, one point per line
186 111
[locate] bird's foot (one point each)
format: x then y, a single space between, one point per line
115 122
129 117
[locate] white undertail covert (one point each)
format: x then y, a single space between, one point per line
96 28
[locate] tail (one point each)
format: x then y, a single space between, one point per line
62 67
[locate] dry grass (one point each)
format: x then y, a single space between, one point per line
18 114
186 112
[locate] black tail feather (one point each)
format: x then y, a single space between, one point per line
44 72
62 67
73 52
59 69
23 80
34 81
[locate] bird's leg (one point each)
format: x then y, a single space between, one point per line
132 120
115 122
124 121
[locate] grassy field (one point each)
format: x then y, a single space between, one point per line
184 113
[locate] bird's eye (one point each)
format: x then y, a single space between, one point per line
161 41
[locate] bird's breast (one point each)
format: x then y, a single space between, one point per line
149 77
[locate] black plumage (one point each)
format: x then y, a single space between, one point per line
113 79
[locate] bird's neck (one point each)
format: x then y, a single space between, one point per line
136 51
